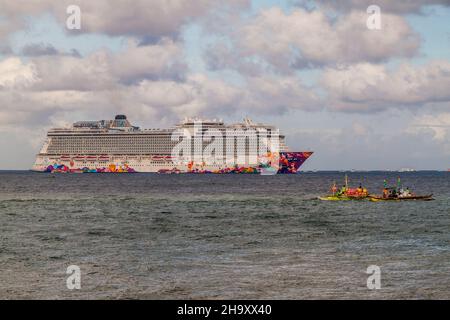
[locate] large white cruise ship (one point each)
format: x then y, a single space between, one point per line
117 146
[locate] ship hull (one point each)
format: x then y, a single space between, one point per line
289 163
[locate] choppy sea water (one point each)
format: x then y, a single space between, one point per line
150 236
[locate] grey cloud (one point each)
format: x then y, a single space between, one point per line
75 53
43 49
39 49
398 7
5 50
149 19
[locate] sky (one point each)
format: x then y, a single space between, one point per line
360 98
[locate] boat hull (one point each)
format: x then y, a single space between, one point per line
342 198
289 163
412 198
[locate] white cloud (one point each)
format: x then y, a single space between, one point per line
310 38
161 60
369 87
74 73
100 70
15 75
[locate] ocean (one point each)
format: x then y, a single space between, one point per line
150 236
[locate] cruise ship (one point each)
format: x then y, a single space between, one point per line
117 146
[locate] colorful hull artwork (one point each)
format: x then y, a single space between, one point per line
61 168
289 163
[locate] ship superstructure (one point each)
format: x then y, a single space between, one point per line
118 146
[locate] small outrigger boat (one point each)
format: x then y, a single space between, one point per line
399 194
346 193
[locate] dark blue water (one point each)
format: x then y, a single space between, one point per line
220 236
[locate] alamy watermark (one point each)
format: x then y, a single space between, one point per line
73 281
374 280
374 20
228 147
73 21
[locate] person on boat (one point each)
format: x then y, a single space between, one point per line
408 192
404 193
365 192
343 190
393 194
359 190
334 189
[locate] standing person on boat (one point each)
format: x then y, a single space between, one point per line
334 189
399 185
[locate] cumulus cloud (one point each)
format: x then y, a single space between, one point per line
264 95
162 60
74 73
14 74
370 87
300 39
103 69
143 18
57 87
